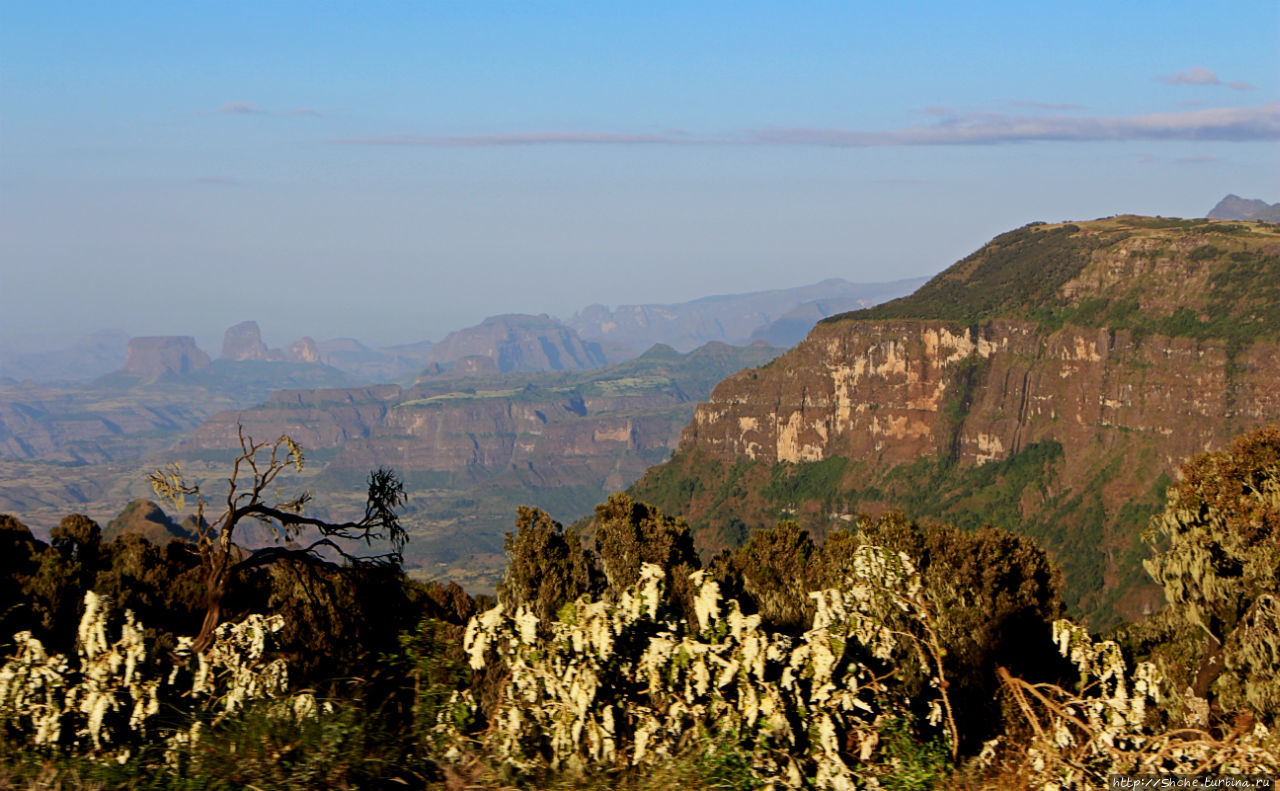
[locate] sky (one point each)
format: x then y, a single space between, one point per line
393 171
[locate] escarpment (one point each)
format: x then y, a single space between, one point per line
1050 383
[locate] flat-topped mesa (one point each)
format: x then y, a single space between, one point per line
163 354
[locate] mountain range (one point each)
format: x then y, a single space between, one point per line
594 337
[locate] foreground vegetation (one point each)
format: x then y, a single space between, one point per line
894 654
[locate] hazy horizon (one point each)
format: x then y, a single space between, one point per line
393 173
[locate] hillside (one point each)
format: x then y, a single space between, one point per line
1050 383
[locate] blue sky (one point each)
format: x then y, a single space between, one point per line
393 171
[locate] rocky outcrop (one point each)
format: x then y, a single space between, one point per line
471 449
166 354
58 427
519 343
244 342
891 392
304 350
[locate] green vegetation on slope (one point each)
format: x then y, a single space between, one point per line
1016 271
1182 278
724 502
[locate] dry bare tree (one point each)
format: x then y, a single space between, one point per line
254 494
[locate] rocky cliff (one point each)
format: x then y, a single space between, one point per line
1051 383
243 342
319 420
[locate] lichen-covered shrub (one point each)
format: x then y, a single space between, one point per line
106 702
623 683
1217 556
1111 725
100 704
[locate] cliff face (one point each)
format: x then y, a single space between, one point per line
316 419
1033 419
889 391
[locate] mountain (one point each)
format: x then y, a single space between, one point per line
145 518
163 354
791 327
1050 383
472 449
728 318
1233 207
243 341
517 343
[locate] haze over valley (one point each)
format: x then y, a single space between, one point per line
714 396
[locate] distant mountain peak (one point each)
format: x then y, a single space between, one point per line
1234 207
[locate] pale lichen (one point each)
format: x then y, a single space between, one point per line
622 681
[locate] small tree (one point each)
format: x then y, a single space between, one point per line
1218 558
546 565
250 495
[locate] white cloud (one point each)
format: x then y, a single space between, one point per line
239 108
1199 75
1220 124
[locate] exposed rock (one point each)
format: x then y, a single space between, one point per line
243 342
164 354
520 343
304 351
316 419
471 447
